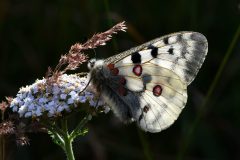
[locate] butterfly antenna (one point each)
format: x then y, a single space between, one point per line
85 87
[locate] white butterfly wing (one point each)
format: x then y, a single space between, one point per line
159 113
157 74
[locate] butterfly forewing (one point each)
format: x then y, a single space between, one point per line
182 52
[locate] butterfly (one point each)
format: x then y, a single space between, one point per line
148 83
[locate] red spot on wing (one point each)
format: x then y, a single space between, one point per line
137 70
113 70
157 90
111 66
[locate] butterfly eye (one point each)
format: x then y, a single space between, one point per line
92 64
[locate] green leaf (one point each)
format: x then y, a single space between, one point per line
81 132
55 138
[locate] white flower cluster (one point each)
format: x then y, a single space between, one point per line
39 99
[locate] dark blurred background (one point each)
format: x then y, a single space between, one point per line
33 35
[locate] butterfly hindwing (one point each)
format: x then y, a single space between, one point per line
159 112
154 97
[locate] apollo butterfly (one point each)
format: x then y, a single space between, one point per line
148 83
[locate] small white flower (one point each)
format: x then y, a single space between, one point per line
52 111
51 103
70 101
38 112
60 109
42 100
22 109
82 99
31 107
56 89
35 89
72 93
15 102
63 96
28 114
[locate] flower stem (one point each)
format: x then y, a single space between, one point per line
67 140
69 149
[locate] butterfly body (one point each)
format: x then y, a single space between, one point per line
107 85
148 83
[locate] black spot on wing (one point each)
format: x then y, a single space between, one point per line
146 108
165 40
170 51
154 51
136 57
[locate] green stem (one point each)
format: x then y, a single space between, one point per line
67 140
69 149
